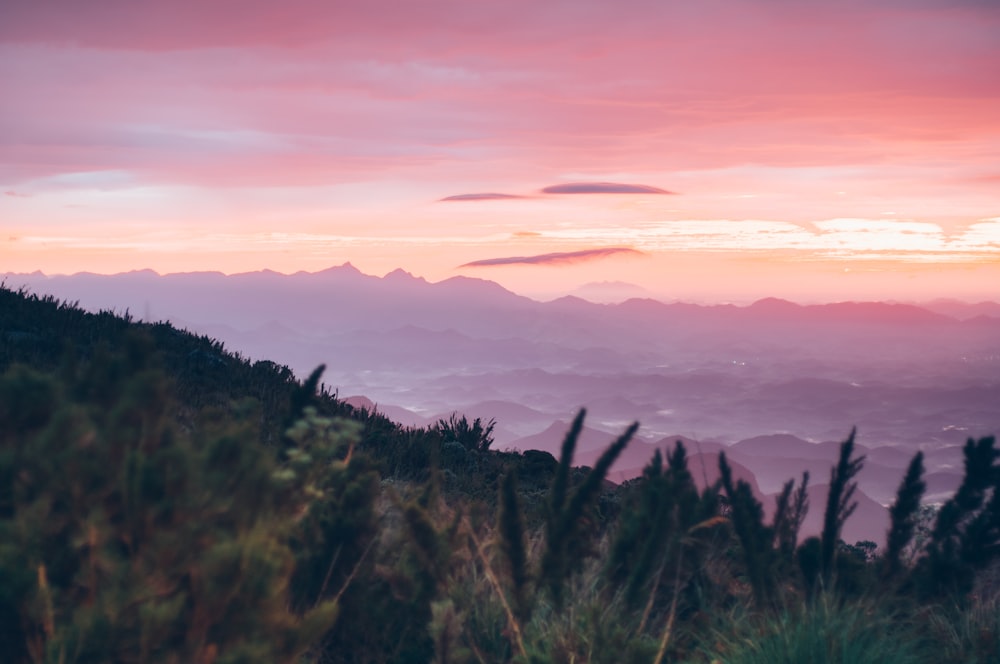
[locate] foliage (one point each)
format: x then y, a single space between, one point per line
128 538
472 436
966 534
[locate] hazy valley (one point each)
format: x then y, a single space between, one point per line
776 384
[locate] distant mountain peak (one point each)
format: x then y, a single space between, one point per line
399 275
642 304
572 300
467 283
774 303
345 269
642 300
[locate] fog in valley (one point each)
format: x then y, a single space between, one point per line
775 384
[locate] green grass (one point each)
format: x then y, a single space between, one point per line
968 634
825 633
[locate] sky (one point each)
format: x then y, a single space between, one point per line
709 151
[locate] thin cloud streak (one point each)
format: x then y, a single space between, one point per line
558 258
480 197
603 188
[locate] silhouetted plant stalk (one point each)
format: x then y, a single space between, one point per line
790 511
564 547
838 505
512 540
903 515
747 516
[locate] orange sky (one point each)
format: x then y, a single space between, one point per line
815 151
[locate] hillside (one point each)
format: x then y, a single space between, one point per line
46 334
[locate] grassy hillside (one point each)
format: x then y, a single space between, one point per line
162 499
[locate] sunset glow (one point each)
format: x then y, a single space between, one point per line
738 148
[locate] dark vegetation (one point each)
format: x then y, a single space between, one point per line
164 500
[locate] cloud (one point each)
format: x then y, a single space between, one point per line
560 258
603 188
567 188
16 194
489 196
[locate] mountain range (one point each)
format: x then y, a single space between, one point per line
775 384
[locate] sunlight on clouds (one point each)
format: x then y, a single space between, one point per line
841 239
865 235
983 234
845 238
712 235
725 235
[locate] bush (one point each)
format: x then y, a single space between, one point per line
127 538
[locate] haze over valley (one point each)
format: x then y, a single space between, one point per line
776 384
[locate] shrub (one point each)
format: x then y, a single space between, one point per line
128 538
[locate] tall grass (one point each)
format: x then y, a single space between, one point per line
823 632
969 634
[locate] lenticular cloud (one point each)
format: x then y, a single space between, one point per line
602 188
561 258
489 196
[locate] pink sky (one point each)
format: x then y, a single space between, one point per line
816 151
